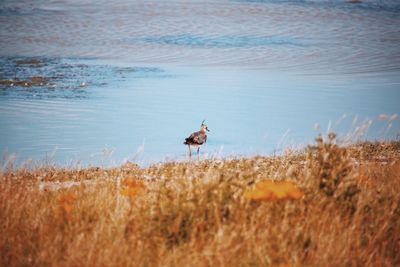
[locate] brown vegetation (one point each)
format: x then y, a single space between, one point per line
338 206
32 81
28 62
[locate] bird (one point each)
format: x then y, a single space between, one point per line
197 138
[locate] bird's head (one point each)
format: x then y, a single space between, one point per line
204 127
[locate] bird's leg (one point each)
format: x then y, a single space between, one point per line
198 150
190 151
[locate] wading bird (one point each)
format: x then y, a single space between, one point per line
197 138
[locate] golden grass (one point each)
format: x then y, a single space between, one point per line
339 206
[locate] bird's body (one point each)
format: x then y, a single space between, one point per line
197 138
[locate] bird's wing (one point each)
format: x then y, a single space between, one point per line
197 138
194 135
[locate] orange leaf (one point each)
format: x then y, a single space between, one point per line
67 207
130 192
132 187
271 190
68 197
133 182
66 201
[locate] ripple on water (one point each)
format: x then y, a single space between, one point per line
367 5
310 36
221 41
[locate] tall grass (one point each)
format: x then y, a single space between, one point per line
345 212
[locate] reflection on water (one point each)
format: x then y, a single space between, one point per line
112 78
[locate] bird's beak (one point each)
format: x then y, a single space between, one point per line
207 130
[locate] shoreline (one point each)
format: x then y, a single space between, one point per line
370 151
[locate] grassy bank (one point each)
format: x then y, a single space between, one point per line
338 206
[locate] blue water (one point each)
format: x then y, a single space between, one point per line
218 41
129 80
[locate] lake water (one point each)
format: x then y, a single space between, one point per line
129 80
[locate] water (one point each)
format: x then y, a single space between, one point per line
129 80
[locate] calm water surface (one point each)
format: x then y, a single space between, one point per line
129 80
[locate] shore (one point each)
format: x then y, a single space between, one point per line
327 205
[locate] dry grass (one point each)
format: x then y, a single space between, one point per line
344 211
